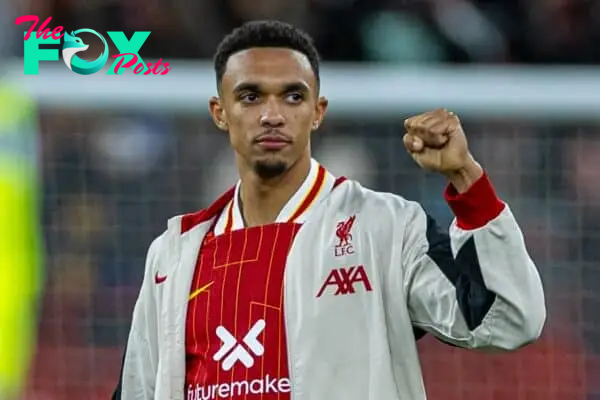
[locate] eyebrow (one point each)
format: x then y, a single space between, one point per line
255 87
296 87
246 87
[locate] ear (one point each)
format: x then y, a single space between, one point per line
217 113
321 110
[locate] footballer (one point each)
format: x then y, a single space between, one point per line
298 284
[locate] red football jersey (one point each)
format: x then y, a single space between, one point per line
235 332
235 329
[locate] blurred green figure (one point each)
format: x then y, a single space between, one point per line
20 238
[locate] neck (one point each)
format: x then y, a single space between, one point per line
262 200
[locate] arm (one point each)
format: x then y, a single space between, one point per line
475 287
140 361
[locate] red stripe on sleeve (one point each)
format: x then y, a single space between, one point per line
475 207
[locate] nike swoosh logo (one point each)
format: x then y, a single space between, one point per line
202 289
159 279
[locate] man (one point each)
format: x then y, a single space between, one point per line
297 284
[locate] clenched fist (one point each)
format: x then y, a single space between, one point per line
437 142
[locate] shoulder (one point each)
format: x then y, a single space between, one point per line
383 204
157 243
175 228
156 249
389 216
186 222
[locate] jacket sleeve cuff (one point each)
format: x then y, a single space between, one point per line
475 207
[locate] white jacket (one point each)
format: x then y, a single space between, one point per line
473 289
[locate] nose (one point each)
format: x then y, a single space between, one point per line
271 115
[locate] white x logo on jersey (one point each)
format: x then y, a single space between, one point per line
239 353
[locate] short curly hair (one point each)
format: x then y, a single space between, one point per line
266 33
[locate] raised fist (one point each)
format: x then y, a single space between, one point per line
437 141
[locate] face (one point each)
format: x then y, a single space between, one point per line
269 104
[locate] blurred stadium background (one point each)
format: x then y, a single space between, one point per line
121 154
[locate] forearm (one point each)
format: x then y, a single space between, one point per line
465 177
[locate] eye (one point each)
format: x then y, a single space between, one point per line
249 97
294 97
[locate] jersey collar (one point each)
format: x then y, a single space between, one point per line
313 190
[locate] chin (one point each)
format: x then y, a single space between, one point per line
271 167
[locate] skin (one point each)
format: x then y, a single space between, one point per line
268 91
437 142
274 91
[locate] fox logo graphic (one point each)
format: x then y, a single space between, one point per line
231 351
342 231
74 45
344 279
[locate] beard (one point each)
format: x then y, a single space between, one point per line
270 169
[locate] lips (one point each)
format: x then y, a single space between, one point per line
273 141
272 138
